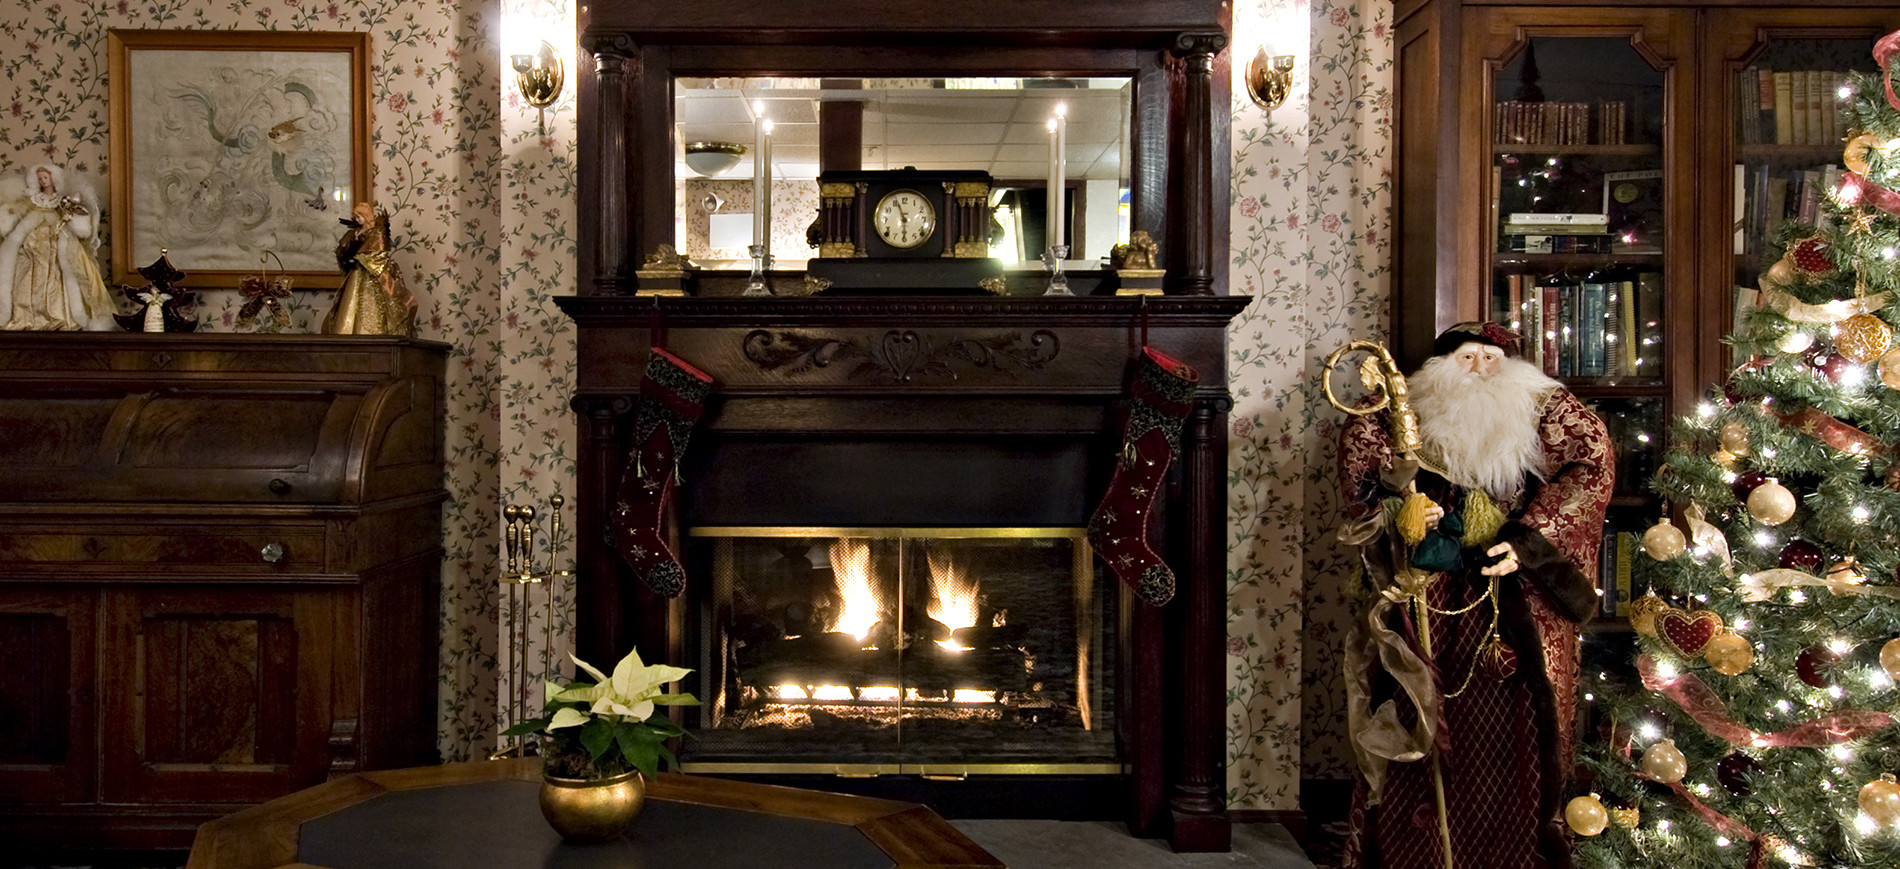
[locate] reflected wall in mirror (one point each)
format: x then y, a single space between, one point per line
996 125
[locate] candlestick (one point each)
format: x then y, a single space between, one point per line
759 169
1058 172
764 198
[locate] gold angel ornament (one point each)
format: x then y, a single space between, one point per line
374 300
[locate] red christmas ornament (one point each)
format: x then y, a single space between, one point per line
1811 256
1746 481
1893 477
1814 663
1801 555
1733 772
1831 365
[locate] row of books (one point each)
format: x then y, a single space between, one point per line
1602 324
1601 122
1789 106
1767 196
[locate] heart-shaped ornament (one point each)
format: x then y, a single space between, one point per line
1687 632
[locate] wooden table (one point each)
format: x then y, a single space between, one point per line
485 813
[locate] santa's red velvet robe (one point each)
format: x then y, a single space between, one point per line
1504 744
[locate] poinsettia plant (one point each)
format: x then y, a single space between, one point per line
604 728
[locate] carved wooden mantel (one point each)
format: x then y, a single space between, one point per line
935 400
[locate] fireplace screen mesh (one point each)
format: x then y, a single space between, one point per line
825 648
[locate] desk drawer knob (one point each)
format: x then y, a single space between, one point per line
278 487
272 552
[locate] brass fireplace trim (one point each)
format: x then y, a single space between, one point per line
1024 533
928 770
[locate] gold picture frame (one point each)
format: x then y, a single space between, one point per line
226 144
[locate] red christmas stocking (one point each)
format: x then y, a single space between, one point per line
672 397
1161 397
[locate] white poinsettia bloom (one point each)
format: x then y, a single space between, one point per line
632 691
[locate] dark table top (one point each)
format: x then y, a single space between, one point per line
486 814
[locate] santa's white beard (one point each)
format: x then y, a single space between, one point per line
1484 429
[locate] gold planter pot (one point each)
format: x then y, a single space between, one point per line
592 810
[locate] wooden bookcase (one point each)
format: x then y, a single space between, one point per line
1648 114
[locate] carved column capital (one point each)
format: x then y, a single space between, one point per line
1199 48
610 47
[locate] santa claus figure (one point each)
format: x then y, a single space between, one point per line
1462 663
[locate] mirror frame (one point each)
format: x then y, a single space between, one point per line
1172 50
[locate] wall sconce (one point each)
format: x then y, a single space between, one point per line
538 77
1270 79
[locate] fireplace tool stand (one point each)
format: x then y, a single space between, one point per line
518 581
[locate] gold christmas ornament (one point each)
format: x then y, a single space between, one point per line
1779 275
1586 815
1626 817
1735 438
1795 342
1880 800
1729 654
1890 369
1643 612
1864 338
1846 570
1771 503
1854 156
1664 541
1664 762
1890 658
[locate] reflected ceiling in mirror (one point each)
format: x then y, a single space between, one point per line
997 125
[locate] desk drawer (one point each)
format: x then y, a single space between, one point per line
237 549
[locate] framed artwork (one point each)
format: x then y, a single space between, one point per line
227 144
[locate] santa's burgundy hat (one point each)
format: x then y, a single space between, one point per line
1482 333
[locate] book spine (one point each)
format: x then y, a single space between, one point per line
1627 337
1765 96
1784 109
1818 106
1552 299
1798 107
1649 309
1625 584
1590 331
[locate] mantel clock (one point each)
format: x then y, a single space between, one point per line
904 228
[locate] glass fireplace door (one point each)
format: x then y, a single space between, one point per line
866 651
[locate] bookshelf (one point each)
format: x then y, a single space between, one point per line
1646 129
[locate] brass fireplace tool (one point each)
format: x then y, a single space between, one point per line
518 580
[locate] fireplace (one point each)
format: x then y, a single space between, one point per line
895 651
978 456
894 427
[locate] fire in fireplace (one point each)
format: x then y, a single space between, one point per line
902 650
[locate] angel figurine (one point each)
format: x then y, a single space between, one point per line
374 300
48 277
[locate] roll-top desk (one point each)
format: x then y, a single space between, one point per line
219 569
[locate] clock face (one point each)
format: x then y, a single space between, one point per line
904 219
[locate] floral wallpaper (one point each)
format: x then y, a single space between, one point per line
1311 243
481 192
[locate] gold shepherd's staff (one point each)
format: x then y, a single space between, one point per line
1380 374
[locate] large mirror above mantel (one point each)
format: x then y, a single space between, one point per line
999 126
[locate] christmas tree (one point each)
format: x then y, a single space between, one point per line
1761 725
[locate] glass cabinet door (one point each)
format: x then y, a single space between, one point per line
1783 87
1578 229
1582 243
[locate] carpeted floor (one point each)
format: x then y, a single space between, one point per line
1019 844
1107 845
